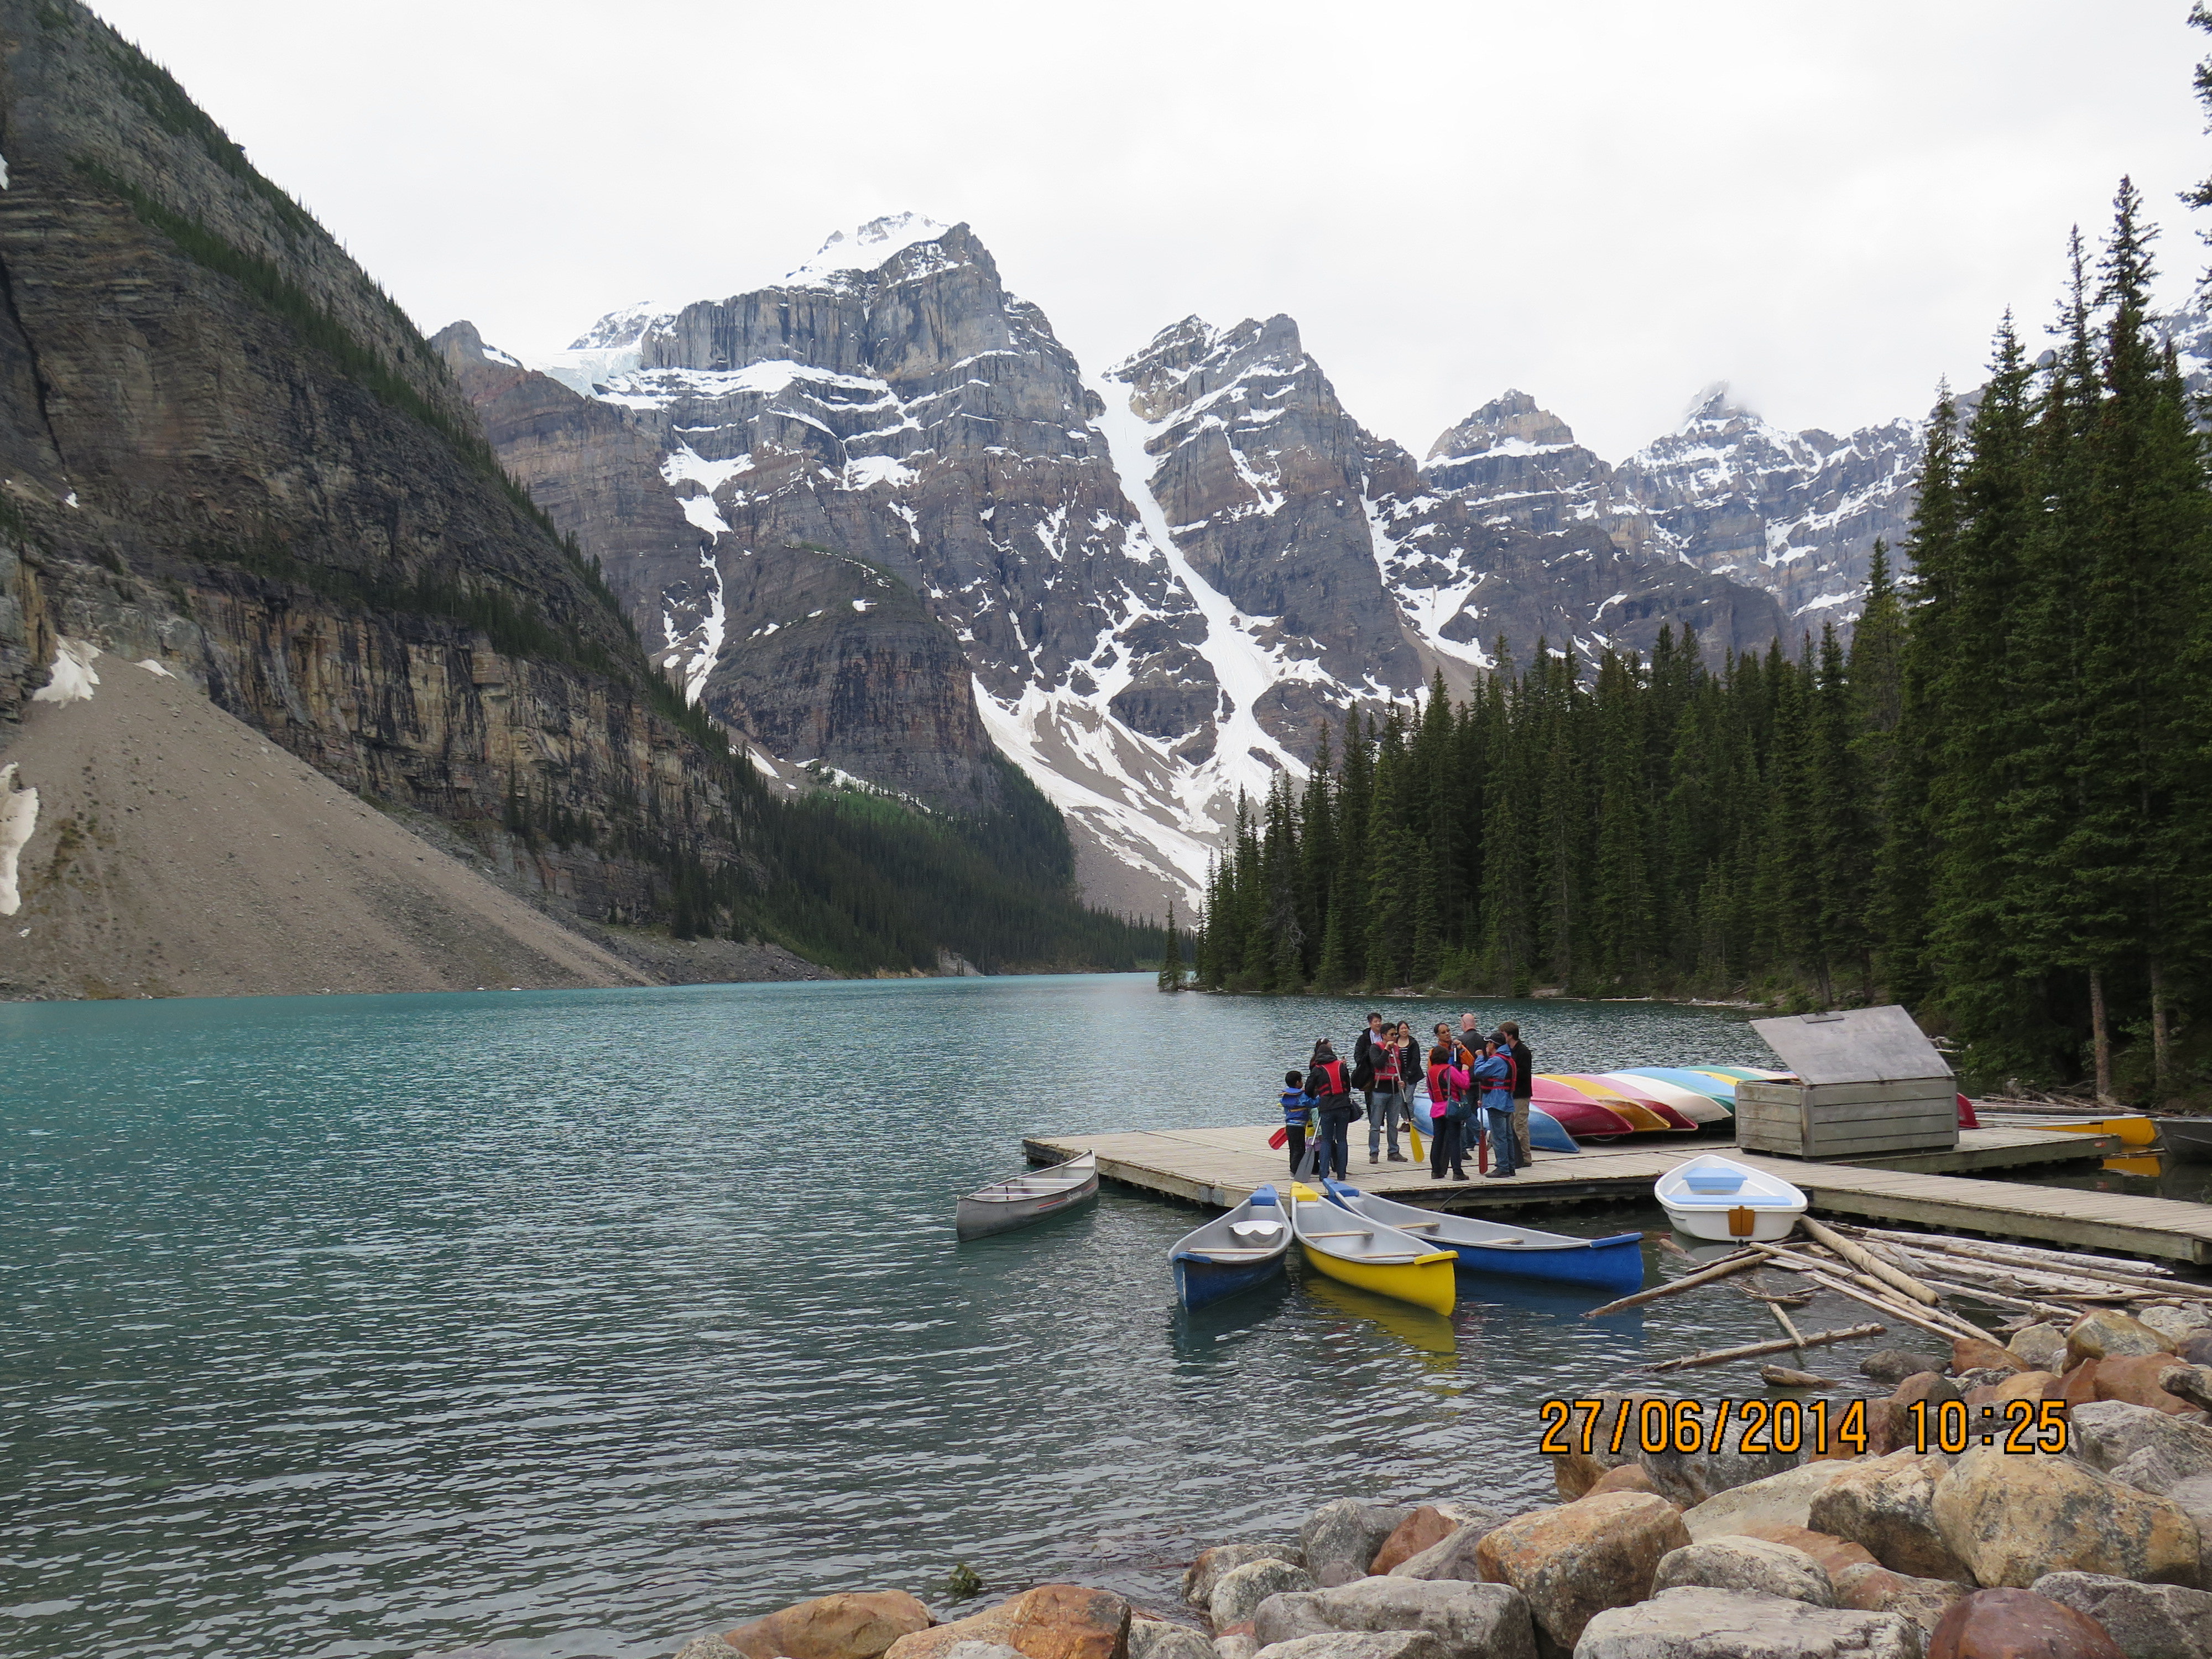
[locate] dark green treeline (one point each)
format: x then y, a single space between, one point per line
1992 805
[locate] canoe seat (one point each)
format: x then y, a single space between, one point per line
1255 1229
1347 1232
1713 1180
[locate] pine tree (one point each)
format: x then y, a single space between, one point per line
2147 493
1970 737
1902 874
1620 927
1842 827
1172 976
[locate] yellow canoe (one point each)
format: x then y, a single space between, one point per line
1369 1255
2132 1128
1642 1116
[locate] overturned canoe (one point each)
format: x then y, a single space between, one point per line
1020 1199
1236 1251
1371 1254
1612 1263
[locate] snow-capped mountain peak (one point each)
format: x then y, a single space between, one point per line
867 247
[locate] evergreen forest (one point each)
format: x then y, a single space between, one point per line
1991 805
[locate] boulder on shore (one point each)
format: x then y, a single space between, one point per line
1750 1566
1053 1621
709 1646
1979 1353
2145 1621
1892 1424
1430 1523
1890 1366
1874 1589
853 1626
1362 1645
1706 1623
1834 1553
1887 1504
2012 1519
1474 1621
1203 1574
1580 1559
1629 1476
2018 1624
1784 1500
2177 1322
1238 1593
2106 1334
2041 1347
1156 1639
1339 1539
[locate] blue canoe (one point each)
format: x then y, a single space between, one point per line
1615 1263
1235 1251
1548 1132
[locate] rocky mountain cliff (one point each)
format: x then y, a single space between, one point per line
226 453
226 450
876 520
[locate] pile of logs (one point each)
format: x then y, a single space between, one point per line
1913 1277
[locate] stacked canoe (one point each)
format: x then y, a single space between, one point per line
1607 1105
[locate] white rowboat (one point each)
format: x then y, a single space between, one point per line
1716 1197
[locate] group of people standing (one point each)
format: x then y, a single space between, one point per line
1469 1082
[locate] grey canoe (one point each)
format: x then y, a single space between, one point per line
2187 1138
1021 1199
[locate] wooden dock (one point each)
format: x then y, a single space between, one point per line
1220 1167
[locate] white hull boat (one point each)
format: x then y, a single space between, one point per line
1716 1198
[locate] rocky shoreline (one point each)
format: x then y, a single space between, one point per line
2100 1551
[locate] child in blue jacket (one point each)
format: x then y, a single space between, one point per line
1297 1114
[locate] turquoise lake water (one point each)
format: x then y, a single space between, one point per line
573 1323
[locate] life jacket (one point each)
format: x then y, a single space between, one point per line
1332 1071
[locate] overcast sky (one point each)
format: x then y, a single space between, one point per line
1606 203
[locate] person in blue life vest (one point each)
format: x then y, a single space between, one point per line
1492 1074
1329 1085
1297 1115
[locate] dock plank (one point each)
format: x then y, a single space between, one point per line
1219 1167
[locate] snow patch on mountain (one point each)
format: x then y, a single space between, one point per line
868 247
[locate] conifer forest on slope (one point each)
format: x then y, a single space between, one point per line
1993 807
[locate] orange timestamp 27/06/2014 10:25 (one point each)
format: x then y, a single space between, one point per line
1818 1428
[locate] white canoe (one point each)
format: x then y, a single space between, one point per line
1710 1197
1020 1199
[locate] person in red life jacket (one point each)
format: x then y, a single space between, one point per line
1329 1085
1447 1085
1390 1101
1524 1086
1494 1076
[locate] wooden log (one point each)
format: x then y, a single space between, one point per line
2019 1279
1867 1262
1788 1329
1880 1304
2041 1309
1734 1264
1876 1294
1754 1350
1782 1376
2072 1273
2031 1254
